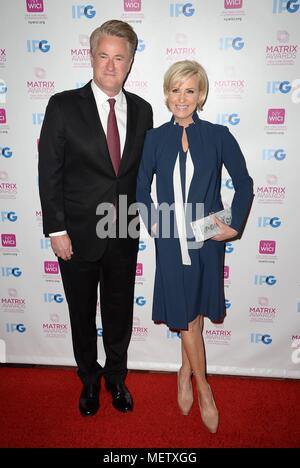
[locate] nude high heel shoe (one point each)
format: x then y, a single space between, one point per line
185 398
209 414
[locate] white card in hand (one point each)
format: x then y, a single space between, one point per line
205 228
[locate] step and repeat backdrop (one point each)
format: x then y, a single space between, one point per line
250 49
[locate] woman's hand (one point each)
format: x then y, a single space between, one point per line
226 232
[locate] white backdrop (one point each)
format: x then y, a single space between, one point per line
250 50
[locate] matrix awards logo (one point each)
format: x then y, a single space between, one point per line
262 311
229 88
139 332
282 52
272 192
3 57
9 244
233 10
266 251
80 56
38 215
180 49
8 188
11 302
132 11
53 328
218 335
275 121
136 83
40 87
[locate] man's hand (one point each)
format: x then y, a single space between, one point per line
226 232
62 246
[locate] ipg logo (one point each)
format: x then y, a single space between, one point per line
228 119
171 335
6 152
285 6
276 87
227 184
83 11
269 280
140 46
266 221
38 118
34 6
178 9
229 247
51 297
3 91
13 327
140 301
270 153
229 42
8 216
38 45
11 271
257 338
142 246
45 243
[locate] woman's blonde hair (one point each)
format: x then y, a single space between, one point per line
180 72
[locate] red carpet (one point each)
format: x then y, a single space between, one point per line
39 408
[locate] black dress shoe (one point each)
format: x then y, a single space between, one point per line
121 398
89 400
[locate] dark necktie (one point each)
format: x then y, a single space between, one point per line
113 138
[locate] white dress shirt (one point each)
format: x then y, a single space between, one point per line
103 111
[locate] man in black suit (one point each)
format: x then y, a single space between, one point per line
89 153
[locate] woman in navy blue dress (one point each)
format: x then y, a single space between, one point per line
186 155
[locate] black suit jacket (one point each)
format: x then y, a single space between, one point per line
75 169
